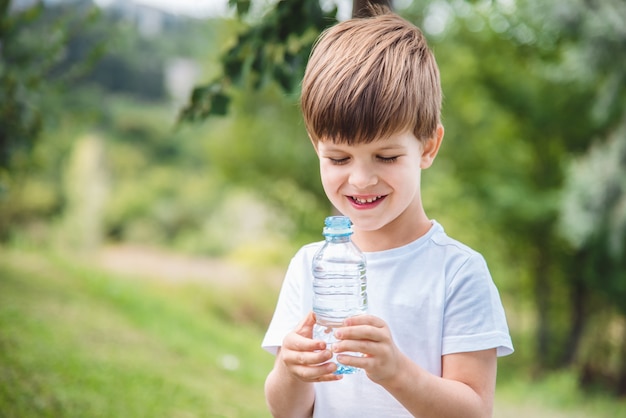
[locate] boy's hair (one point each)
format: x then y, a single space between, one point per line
370 78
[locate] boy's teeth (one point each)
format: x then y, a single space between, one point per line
369 200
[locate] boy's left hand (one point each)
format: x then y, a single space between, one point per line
369 335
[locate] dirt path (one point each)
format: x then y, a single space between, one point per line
138 261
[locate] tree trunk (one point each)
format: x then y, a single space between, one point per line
578 310
621 377
542 292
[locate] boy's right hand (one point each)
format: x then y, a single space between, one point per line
305 357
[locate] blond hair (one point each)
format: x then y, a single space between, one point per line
370 78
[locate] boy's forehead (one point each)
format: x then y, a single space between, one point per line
394 141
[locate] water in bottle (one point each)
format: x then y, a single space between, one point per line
339 283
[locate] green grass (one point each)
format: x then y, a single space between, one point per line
78 342
555 396
75 342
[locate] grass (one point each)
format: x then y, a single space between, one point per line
76 342
555 396
79 342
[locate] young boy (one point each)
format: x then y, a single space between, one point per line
371 100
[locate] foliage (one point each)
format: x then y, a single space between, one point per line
263 145
20 123
274 50
594 222
594 212
30 90
514 76
27 66
37 200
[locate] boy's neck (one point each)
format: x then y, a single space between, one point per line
394 235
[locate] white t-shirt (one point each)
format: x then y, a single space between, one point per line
437 297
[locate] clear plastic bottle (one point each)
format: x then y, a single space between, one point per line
339 283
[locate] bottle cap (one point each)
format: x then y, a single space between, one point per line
337 226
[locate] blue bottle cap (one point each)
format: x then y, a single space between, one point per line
337 226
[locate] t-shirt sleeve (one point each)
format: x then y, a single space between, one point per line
290 308
474 318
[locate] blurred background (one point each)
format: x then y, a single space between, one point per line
156 178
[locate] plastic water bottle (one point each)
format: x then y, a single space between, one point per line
339 283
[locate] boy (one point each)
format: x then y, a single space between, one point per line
371 100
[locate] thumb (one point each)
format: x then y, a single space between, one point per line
305 327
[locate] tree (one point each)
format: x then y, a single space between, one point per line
593 220
23 64
27 68
30 86
557 76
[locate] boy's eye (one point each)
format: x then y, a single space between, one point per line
387 159
338 161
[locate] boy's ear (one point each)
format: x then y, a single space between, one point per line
431 148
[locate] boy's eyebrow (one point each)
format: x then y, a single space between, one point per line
382 148
392 147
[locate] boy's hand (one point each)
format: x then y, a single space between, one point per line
303 356
369 335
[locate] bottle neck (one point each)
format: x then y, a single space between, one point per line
335 239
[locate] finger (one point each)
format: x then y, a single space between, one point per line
364 347
301 339
361 362
320 373
305 327
361 332
296 342
365 320
305 358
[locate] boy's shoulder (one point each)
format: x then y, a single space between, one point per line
439 237
457 256
307 251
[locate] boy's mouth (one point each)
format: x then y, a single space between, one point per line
365 200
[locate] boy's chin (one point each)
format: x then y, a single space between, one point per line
367 225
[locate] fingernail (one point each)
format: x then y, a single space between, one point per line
338 334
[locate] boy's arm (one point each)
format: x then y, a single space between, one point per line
286 395
466 388
299 362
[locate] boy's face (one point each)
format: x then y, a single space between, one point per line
377 185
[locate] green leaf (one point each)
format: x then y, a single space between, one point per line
208 100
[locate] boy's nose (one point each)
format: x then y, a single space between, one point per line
363 176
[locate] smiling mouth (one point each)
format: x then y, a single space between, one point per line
361 201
